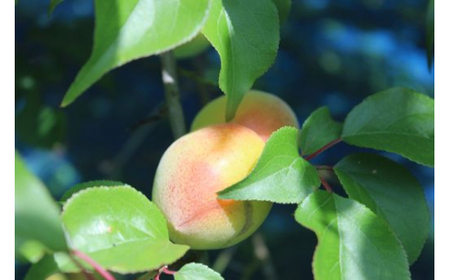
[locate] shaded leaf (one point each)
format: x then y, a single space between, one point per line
390 191
31 251
283 7
40 125
354 243
36 213
196 271
130 29
318 130
245 33
120 229
280 175
43 269
396 120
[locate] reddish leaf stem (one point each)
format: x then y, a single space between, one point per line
103 272
167 271
321 150
164 270
81 267
326 185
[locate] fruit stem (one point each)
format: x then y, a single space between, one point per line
103 272
172 94
321 150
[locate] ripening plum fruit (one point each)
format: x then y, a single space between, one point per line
191 172
262 112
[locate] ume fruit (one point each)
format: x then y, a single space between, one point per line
262 112
192 170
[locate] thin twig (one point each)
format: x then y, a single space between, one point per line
172 94
224 259
321 150
159 114
103 272
263 255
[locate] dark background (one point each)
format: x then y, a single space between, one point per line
332 53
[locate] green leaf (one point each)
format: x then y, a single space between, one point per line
354 243
65 263
90 184
246 36
283 7
390 191
36 213
43 269
280 175
130 29
31 251
396 120
53 4
318 130
196 271
120 229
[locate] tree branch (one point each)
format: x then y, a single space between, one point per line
263 255
223 259
172 94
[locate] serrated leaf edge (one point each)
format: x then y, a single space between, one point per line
65 103
75 195
403 252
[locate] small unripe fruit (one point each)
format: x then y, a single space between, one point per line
191 172
262 112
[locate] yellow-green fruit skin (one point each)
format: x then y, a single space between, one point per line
260 111
192 170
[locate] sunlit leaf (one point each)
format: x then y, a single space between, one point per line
280 175
120 229
90 184
396 120
354 243
245 33
390 191
130 29
196 271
